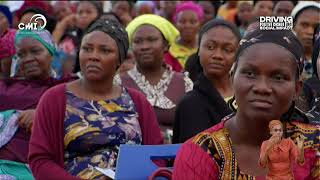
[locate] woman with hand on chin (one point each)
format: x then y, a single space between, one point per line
277 153
80 125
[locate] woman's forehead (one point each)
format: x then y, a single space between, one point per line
268 55
146 30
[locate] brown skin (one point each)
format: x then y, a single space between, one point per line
208 9
168 8
217 51
188 24
35 64
245 13
86 13
144 9
283 8
304 27
148 46
264 90
122 10
99 60
62 10
263 8
34 59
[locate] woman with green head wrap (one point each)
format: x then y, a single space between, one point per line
35 50
150 37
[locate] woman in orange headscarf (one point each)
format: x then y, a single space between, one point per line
277 153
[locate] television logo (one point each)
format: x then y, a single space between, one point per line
35 23
276 22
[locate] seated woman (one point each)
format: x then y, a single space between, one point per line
218 41
266 86
150 37
188 18
80 125
35 50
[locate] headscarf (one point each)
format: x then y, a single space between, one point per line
316 50
274 123
116 31
7 44
283 38
163 25
188 6
43 36
6 11
301 6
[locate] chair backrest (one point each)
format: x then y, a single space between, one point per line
135 161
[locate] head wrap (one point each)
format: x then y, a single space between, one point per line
116 31
164 26
188 6
42 36
316 50
301 6
218 22
7 44
6 11
283 38
274 123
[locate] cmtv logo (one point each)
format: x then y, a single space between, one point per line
35 23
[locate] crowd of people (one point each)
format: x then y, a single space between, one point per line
199 73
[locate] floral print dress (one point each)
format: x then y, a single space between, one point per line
94 131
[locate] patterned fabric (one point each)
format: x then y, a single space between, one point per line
43 36
94 131
216 145
284 38
181 53
8 126
155 94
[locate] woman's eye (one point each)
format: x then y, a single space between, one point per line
105 50
86 49
137 41
278 77
249 74
210 47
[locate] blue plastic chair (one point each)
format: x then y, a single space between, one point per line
135 161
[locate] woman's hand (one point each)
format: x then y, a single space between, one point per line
25 119
272 141
300 142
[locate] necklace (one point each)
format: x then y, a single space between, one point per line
154 93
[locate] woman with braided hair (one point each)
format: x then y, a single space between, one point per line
265 88
80 125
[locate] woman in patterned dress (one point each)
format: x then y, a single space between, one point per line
150 37
80 125
266 86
